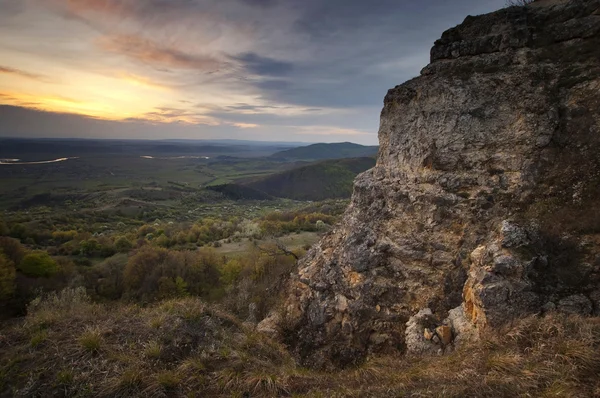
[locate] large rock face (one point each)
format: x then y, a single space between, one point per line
486 192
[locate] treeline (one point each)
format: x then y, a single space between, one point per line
106 242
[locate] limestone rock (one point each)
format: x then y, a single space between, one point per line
270 326
416 340
486 183
575 304
464 331
445 334
595 298
428 334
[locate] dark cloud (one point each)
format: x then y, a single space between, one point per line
19 72
129 8
264 66
260 3
149 52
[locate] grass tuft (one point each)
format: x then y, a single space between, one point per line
153 350
38 337
91 340
168 380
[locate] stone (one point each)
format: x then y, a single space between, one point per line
477 155
428 334
575 304
269 325
445 334
549 307
463 329
416 342
514 235
595 298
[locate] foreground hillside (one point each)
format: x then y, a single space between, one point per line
316 181
68 346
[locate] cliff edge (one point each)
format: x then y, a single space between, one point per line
484 204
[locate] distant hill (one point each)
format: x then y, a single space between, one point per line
327 151
316 181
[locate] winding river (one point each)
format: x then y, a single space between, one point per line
19 162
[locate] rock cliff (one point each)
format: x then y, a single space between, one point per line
485 200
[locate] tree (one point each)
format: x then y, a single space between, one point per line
123 245
7 277
38 264
3 228
12 249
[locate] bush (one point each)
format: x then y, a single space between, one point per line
7 278
3 228
154 273
38 264
65 300
123 245
12 249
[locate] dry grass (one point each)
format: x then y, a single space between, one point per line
91 340
198 350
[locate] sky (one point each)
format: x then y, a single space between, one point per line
269 70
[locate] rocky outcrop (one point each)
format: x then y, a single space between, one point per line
484 204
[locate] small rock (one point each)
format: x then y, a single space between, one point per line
445 334
549 307
428 334
513 235
595 297
477 255
462 328
575 304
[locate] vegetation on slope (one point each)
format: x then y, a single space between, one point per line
327 151
240 192
68 346
316 181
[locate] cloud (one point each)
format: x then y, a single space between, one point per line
260 3
245 125
19 72
128 8
176 115
329 130
263 66
149 52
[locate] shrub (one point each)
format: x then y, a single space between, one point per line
64 236
12 249
7 277
38 264
65 300
154 273
123 244
3 228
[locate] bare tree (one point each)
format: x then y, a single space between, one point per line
278 249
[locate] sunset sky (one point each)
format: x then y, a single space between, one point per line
279 70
